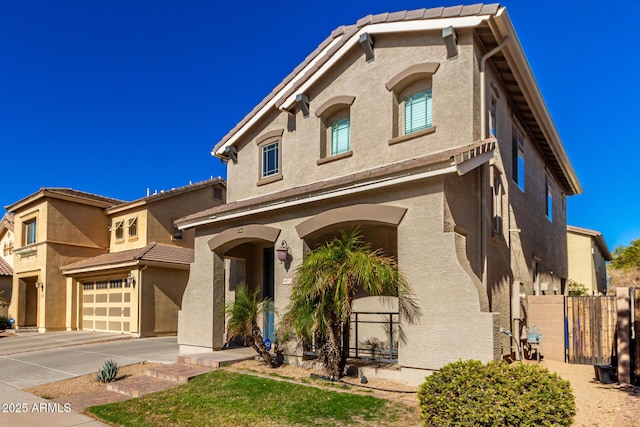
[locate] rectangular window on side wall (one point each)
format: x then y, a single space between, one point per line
417 111
492 117
518 159
119 230
548 200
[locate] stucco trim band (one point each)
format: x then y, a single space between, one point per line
235 236
368 213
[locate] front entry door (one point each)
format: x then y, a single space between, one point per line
268 330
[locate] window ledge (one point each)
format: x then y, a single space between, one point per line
269 179
330 159
413 135
133 239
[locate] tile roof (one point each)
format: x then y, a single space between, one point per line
456 155
345 32
7 221
170 193
152 252
5 268
69 192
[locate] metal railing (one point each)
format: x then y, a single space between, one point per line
373 348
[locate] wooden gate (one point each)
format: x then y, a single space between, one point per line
591 330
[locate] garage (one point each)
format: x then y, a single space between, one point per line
106 305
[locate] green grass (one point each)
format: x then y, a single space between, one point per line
224 398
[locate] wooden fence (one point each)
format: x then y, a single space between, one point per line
591 327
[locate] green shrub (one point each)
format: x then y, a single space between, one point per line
109 372
468 393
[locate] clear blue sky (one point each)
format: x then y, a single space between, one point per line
114 97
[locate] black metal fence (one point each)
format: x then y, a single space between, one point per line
375 336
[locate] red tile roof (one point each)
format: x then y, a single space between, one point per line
5 268
345 32
456 155
152 252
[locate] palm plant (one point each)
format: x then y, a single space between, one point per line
325 288
243 317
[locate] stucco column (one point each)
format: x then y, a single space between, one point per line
71 316
218 301
624 339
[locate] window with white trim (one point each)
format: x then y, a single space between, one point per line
271 159
270 156
119 230
30 231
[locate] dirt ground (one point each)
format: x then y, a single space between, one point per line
596 404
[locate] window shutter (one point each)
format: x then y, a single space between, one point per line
340 136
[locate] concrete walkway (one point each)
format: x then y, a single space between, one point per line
32 358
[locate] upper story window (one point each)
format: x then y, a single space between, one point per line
493 121
270 164
119 230
418 111
412 91
335 128
518 158
132 225
29 229
548 200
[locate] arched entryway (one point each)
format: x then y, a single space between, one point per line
244 254
375 324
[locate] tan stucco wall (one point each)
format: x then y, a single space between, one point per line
128 242
586 263
161 298
371 115
7 239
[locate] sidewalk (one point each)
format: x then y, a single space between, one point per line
19 408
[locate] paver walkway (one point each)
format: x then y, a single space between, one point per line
158 378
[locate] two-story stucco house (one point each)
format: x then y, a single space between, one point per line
53 226
587 258
137 286
427 130
84 261
6 259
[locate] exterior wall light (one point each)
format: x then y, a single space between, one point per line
283 251
131 280
40 285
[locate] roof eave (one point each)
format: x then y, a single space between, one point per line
523 73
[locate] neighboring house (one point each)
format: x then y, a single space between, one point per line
53 226
588 255
84 261
6 259
427 130
137 287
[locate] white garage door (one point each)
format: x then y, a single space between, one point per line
106 306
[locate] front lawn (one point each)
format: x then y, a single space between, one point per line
223 398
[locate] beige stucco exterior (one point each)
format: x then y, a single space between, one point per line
587 258
61 281
464 274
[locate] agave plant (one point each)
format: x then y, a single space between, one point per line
109 372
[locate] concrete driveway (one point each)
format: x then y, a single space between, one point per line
63 355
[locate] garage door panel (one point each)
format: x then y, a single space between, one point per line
106 306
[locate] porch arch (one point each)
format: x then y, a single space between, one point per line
232 237
362 213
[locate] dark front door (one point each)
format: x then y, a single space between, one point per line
268 291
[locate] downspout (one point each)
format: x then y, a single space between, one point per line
483 136
483 178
